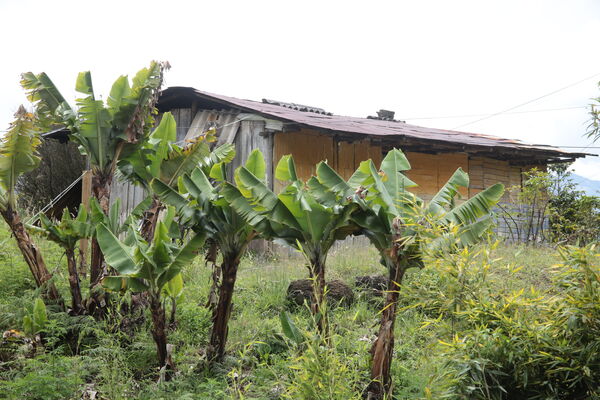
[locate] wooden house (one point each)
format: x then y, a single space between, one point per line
311 134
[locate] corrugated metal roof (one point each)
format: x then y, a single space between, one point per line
372 127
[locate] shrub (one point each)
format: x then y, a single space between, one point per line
47 378
534 347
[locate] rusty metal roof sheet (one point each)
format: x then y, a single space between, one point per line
372 127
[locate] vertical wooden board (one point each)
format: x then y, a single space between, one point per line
264 142
243 145
475 171
345 159
86 194
424 172
375 154
307 148
184 122
447 166
361 152
496 171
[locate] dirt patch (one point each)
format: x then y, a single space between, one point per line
337 292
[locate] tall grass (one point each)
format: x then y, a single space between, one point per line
260 362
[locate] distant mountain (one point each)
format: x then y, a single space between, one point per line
589 186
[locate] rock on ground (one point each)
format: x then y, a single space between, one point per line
373 284
337 292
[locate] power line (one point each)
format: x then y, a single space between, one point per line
529 102
508 113
575 147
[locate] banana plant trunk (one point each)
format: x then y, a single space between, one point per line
211 259
317 274
382 350
74 283
101 185
101 191
32 255
150 219
222 312
159 334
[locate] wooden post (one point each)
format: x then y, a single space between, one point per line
86 194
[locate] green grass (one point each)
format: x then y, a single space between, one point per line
121 366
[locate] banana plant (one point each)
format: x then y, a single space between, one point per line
304 215
399 225
159 157
102 130
174 291
67 233
148 267
203 208
18 156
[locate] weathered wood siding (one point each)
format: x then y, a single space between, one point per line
485 172
431 171
309 148
250 136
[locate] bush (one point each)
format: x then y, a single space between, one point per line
537 347
47 378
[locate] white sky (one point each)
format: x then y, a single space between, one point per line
421 59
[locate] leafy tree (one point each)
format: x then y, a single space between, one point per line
205 209
399 224
17 156
148 267
304 215
102 130
574 217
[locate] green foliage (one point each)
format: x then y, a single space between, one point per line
68 231
35 321
157 156
18 155
574 217
145 266
303 215
534 347
48 378
527 213
593 131
289 328
101 129
322 372
202 207
193 324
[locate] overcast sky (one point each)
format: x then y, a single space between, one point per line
422 59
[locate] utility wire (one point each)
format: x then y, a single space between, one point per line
528 102
508 113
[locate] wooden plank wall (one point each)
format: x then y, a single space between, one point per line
183 118
129 195
309 148
485 172
432 171
250 136
429 171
